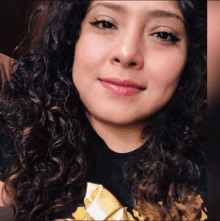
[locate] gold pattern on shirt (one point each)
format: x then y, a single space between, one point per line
100 204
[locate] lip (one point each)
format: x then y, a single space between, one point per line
122 88
123 83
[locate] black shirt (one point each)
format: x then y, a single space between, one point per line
105 168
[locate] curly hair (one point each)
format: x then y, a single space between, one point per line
42 112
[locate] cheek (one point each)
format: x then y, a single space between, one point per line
88 58
166 67
90 50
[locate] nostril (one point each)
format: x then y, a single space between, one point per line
132 64
117 60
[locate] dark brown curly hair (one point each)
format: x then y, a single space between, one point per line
45 118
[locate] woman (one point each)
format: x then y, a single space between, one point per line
105 117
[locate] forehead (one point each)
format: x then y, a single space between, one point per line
169 8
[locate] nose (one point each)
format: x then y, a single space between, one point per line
128 52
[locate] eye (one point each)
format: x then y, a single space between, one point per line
166 36
104 24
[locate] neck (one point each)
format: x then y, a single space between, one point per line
120 139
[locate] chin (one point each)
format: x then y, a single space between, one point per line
117 120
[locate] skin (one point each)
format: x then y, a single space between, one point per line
106 51
5 63
213 53
3 198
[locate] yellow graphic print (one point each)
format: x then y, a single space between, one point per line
100 204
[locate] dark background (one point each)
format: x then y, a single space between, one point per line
14 21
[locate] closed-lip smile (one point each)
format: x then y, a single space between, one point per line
123 88
123 83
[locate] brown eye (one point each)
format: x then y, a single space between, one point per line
104 24
163 35
166 36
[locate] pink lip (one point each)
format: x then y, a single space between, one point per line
122 88
124 83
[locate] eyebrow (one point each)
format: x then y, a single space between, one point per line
123 9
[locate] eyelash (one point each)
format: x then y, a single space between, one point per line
97 22
171 35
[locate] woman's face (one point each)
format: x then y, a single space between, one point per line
129 59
